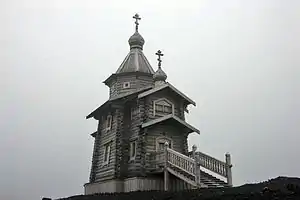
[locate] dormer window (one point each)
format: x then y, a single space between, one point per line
163 107
108 122
126 85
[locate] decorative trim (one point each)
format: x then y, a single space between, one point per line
162 99
167 117
156 89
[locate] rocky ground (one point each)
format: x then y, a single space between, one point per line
278 188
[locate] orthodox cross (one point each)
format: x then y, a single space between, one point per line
159 55
137 18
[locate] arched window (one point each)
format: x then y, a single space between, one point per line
162 107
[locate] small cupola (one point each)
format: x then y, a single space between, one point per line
159 76
136 40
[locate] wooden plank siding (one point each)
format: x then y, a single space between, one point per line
165 131
134 167
95 158
126 128
104 172
136 82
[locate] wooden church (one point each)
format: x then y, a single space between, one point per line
141 138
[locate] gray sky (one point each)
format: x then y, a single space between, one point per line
239 60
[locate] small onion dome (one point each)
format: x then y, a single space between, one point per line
136 41
160 75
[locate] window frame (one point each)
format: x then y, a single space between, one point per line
163 113
126 83
163 140
109 120
106 153
131 150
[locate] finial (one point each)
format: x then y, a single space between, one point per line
137 18
159 55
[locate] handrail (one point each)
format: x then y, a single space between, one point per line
181 161
181 155
212 164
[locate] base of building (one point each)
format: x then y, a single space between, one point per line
109 186
133 184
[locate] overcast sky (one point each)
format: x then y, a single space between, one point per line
238 60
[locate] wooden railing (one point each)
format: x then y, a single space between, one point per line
212 164
181 161
188 165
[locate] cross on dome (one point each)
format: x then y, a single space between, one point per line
159 76
159 53
137 18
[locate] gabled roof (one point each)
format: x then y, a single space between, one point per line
166 85
170 117
113 100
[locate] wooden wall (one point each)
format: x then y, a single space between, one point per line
136 82
166 131
104 172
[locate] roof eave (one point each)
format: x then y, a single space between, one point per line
167 117
94 134
182 95
189 101
109 79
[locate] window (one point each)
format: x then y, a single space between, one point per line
163 107
161 146
132 150
126 85
108 122
106 154
160 143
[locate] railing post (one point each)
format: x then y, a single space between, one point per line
194 148
228 169
166 174
196 165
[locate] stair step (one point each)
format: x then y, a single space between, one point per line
206 179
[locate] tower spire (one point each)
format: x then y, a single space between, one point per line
137 18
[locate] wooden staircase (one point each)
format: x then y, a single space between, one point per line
187 168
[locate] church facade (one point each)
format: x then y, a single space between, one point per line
141 138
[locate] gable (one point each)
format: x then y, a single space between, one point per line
165 87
